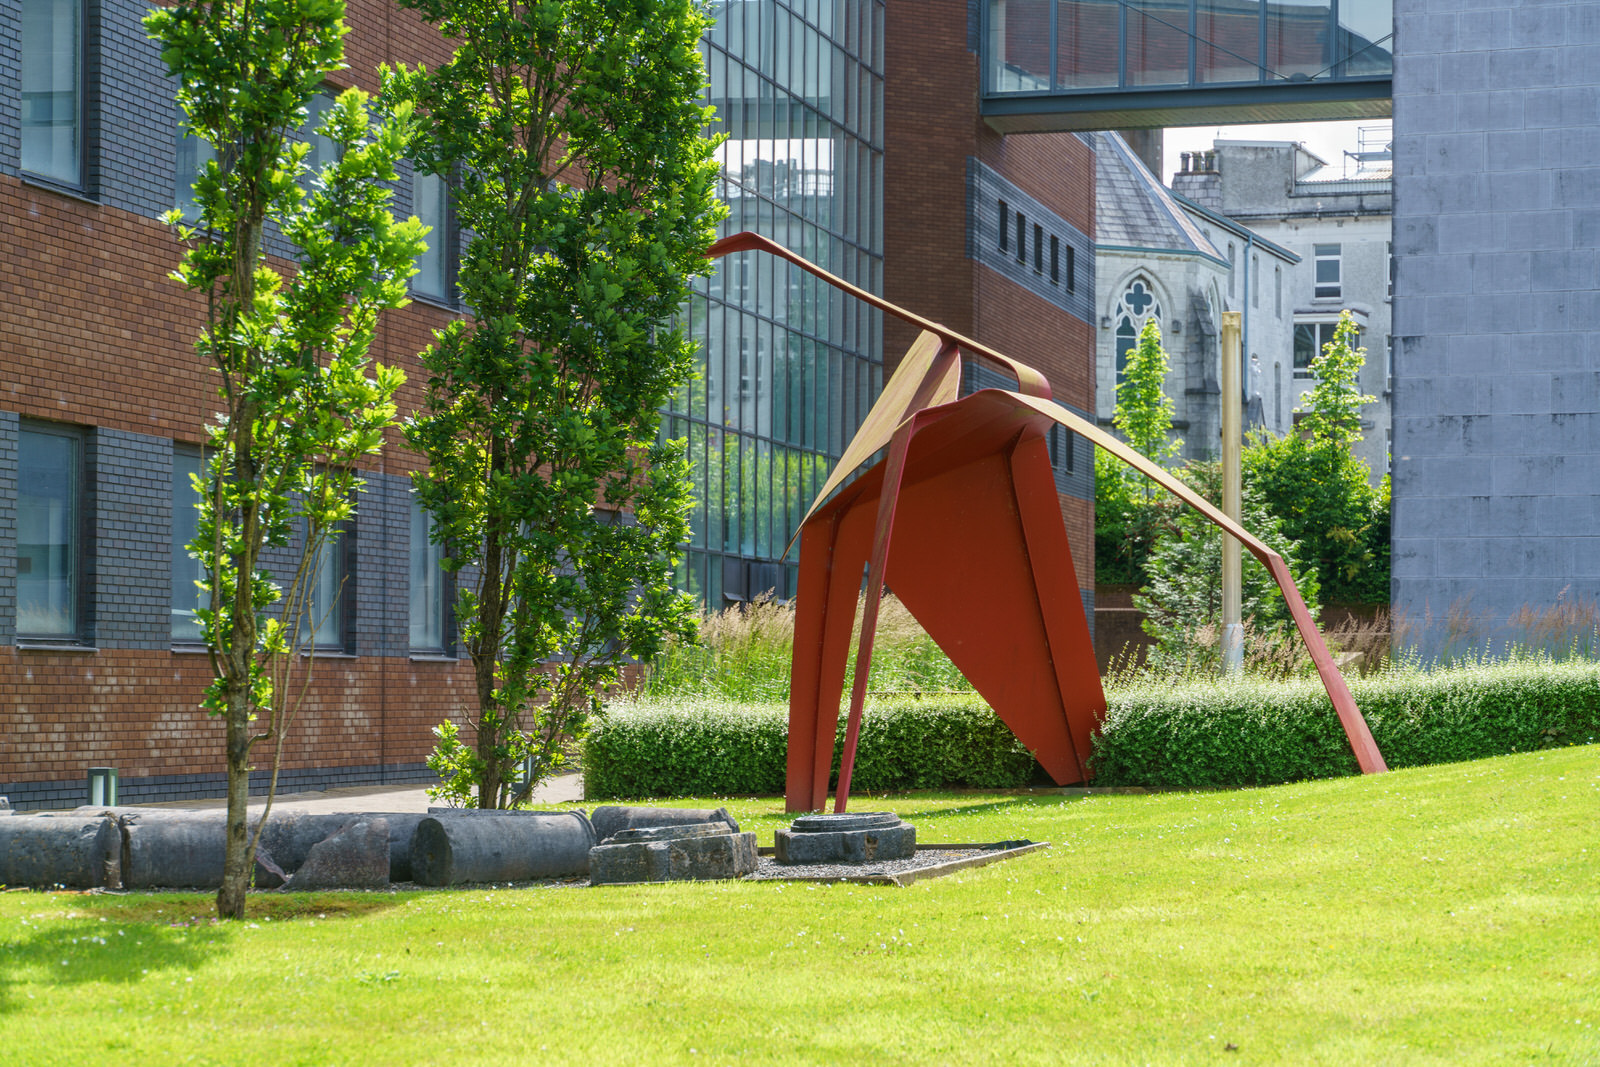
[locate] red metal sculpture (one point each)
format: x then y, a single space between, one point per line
961 519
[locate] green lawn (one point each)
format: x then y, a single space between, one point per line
1444 914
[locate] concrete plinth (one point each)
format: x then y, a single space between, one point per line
694 852
849 838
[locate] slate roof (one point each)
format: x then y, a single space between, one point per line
1133 210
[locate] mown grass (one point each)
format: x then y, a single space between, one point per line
1442 914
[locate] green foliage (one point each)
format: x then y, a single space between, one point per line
1333 407
301 402
457 766
1182 601
1144 411
569 136
1250 732
744 654
1127 504
717 749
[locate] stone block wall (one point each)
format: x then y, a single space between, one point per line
1496 311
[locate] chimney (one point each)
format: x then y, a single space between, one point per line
1200 179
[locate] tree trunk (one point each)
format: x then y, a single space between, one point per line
237 861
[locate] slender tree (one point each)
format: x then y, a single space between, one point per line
300 402
569 135
1126 516
1144 410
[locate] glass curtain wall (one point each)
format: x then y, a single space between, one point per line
788 366
1038 46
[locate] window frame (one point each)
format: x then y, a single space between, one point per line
79 184
340 550
435 556
1327 290
78 527
449 258
198 455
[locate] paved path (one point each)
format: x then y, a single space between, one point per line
361 798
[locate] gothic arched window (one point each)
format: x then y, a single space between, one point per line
1137 305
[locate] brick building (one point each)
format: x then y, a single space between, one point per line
102 405
854 138
991 235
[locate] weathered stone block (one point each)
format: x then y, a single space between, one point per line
608 819
695 852
355 856
848 838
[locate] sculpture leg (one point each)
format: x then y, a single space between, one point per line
888 498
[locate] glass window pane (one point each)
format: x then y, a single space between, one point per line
1305 345
51 76
1228 40
1019 36
427 583
325 605
186 571
429 207
1158 43
1297 38
322 149
193 154
1086 44
1363 24
47 534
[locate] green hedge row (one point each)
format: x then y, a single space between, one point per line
1248 733
657 750
1216 734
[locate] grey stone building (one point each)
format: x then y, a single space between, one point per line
1497 309
1339 224
1159 255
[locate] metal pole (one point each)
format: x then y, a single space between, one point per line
1232 628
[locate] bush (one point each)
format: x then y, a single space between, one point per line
1242 733
700 749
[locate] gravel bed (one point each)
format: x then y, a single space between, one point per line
768 869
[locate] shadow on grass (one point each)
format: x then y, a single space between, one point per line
73 938
991 807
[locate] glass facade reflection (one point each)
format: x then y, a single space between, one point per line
1045 46
788 366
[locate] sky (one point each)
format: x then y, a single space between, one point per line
1327 139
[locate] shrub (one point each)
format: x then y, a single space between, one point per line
717 749
1242 732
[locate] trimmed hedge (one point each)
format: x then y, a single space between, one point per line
1225 734
1255 733
658 750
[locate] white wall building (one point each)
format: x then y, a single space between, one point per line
1341 229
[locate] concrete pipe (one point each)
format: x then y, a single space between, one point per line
462 847
76 851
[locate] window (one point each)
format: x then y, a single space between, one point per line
1309 339
1022 238
1277 290
51 70
49 541
1055 260
430 203
186 571
1137 305
428 578
1038 249
193 154
1072 269
1005 227
322 146
328 596
1326 265
1060 442
1255 281
1388 257
1230 268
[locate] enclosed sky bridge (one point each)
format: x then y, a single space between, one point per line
1125 64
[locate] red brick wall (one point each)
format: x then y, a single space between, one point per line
931 127
97 335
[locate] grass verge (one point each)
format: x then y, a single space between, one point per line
1440 914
